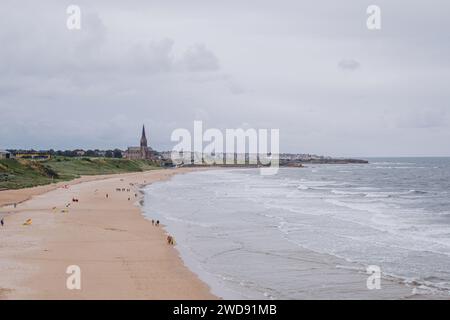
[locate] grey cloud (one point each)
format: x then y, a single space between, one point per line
235 88
273 66
423 119
229 81
92 50
349 64
155 57
200 58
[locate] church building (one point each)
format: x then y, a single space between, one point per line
143 151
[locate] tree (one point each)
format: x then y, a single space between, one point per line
117 153
108 154
90 153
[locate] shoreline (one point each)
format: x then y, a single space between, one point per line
320 275
120 254
112 248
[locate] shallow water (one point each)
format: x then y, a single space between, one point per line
242 230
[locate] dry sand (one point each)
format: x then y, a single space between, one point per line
120 253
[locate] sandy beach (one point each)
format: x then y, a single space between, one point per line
120 253
123 256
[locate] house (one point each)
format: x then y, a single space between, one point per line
6 154
79 152
33 156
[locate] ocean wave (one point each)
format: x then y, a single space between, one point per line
376 194
350 193
354 206
427 286
323 213
379 195
399 167
392 163
416 192
189 222
394 194
304 184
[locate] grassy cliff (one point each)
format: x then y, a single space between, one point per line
18 173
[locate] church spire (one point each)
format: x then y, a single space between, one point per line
143 137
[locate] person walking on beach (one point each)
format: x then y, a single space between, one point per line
157 223
107 196
2 222
153 222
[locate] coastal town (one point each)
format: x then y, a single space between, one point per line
163 158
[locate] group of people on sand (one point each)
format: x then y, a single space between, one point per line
155 223
170 239
124 190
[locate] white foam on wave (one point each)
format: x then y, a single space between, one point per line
355 206
349 193
188 222
392 163
399 167
360 221
394 194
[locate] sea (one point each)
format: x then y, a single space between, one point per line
239 229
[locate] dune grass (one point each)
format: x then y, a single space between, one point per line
19 173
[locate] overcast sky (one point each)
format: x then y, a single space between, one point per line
309 68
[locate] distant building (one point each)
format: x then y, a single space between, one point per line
6 154
100 153
79 152
143 151
33 156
